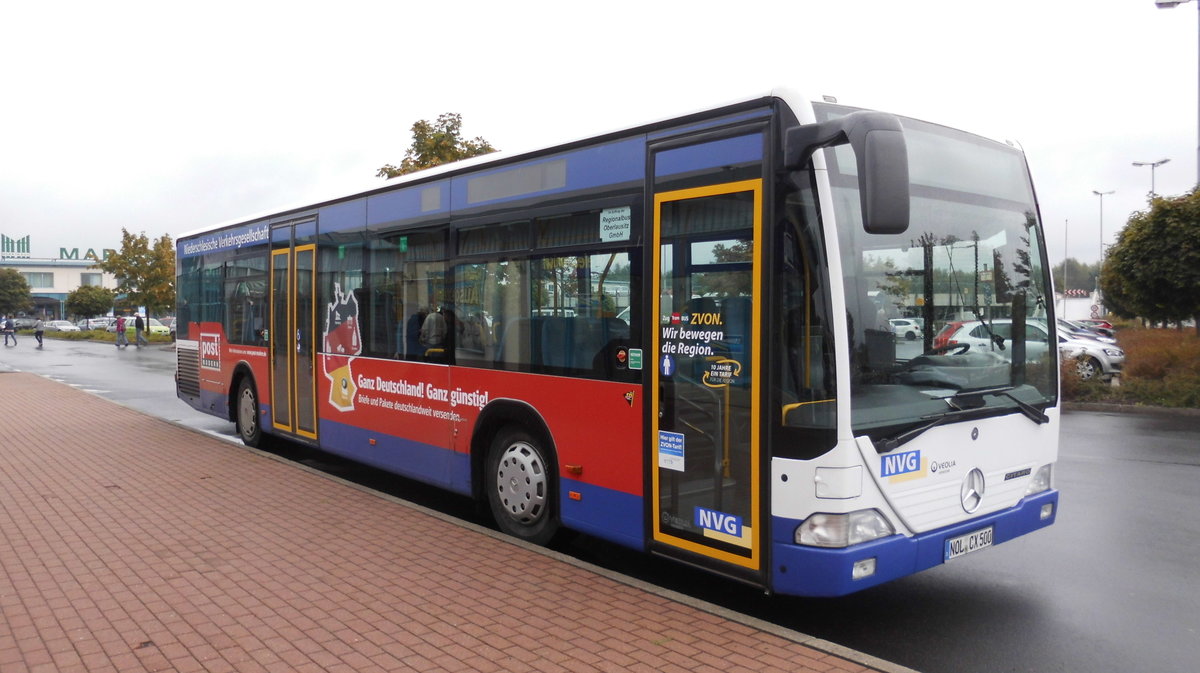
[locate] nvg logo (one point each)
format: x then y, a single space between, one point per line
719 521
900 463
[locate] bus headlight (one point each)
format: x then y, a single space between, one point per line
843 530
1040 481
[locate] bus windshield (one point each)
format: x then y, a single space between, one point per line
953 314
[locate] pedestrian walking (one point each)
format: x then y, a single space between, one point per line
122 340
10 331
139 327
38 330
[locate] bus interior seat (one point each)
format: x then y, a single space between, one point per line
557 335
513 345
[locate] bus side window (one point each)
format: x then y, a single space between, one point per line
492 327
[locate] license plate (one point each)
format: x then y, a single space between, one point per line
971 542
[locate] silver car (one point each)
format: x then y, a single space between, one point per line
1093 358
59 326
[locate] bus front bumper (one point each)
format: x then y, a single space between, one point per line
815 571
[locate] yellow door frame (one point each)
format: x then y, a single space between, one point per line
312 337
286 340
278 341
754 561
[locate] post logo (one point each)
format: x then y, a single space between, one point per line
900 463
210 351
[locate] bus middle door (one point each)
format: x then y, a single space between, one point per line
292 341
705 458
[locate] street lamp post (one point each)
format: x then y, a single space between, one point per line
1167 4
1102 195
1153 165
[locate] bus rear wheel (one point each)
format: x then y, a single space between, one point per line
247 414
520 486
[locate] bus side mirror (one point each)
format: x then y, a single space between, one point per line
882 156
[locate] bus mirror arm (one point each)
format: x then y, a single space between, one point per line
882 156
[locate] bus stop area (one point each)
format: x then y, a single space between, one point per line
129 543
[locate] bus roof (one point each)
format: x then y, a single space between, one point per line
795 100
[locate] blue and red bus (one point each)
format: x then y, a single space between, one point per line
678 337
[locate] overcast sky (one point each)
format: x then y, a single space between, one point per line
166 117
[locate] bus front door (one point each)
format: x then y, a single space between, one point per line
292 336
705 457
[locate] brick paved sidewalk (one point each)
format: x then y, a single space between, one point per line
131 544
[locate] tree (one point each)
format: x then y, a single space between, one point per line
14 292
145 273
1072 274
90 300
436 144
726 283
1153 270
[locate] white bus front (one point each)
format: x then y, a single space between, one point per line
897 454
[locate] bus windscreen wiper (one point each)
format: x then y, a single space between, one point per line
965 403
971 399
889 443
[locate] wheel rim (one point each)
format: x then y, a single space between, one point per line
521 483
247 419
1086 368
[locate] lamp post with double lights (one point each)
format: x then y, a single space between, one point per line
1167 4
1101 195
1153 165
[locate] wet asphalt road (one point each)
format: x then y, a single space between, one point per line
1114 585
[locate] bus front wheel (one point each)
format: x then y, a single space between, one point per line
520 487
247 414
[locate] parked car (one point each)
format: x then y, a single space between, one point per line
906 328
1077 331
94 323
59 326
24 323
1102 327
995 336
170 323
1093 358
153 326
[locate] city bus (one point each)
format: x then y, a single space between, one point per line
676 337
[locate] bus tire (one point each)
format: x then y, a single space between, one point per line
246 414
520 486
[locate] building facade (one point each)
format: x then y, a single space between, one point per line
51 279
